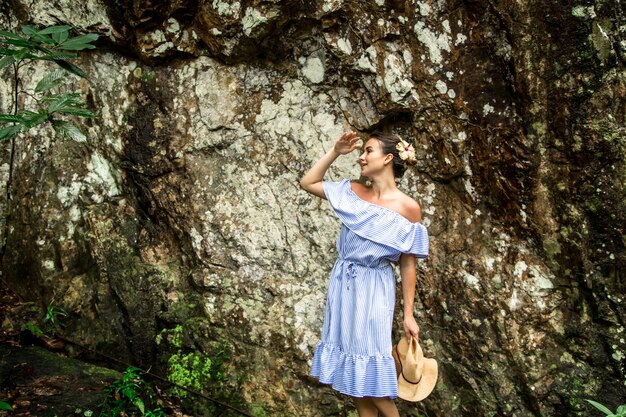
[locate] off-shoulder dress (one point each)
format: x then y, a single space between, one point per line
354 355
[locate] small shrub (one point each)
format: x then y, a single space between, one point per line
195 370
51 320
53 315
258 410
204 371
130 396
191 370
54 105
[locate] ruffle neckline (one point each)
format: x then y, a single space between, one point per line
376 223
376 206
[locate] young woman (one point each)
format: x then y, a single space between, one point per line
380 225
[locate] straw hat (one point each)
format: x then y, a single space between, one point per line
417 376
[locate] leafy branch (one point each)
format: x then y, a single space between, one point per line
49 44
54 104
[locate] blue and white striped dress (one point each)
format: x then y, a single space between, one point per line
354 355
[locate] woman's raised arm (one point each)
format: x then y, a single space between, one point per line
312 180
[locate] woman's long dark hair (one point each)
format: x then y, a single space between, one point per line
389 143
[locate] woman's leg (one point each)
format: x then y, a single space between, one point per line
386 407
365 407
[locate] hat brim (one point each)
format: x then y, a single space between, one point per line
421 390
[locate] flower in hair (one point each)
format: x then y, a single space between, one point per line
406 152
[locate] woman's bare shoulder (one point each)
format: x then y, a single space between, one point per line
411 209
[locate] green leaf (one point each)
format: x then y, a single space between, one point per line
31 119
10 118
54 29
81 42
52 314
34 330
5 406
24 43
140 405
46 39
24 53
53 56
10 35
129 393
60 37
34 34
71 111
621 410
9 133
29 30
68 103
50 81
62 101
6 61
71 68
68 130
600 407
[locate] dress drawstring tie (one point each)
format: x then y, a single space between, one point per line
350 273
349 270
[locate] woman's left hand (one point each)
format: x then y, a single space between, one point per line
411 328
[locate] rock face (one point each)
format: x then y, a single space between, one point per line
184 205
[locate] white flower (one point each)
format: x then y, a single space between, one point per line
406 152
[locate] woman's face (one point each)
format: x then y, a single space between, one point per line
372 159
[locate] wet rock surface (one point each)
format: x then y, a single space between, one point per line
42 383
184 202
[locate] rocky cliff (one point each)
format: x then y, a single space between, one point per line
183 206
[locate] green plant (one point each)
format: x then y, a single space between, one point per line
34 329
620 412
51 319
53 314
191 370
576 387
205 372
130 396
51 102
51 44
5 406
258 410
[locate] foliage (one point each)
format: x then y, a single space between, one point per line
130 396
191 370
51 44
51 319
258 410
206 372
34 329
53 314
620 412
5 406
576 388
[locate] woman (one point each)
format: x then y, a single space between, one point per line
380 225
